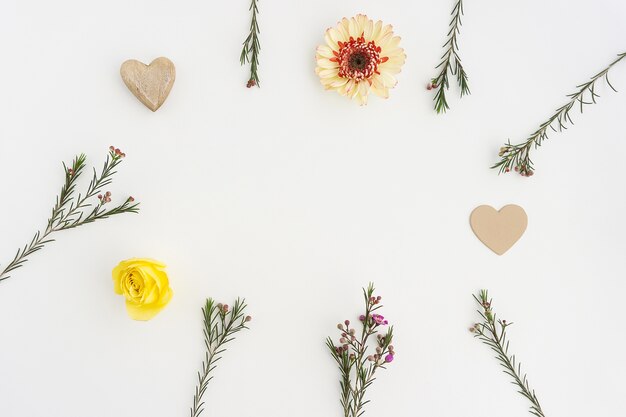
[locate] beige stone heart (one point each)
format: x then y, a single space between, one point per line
151 84
499 230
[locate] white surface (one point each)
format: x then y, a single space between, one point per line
295 198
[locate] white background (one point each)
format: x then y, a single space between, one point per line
295 198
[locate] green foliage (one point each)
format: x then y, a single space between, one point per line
252 47
356 366
72 210
517 156
220 325
450 63
492 332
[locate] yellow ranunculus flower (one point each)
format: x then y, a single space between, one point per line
145 285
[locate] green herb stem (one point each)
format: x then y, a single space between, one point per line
450 63
492 332
220 326
69 209
517 156
252 47
354 362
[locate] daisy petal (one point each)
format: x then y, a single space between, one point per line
324 51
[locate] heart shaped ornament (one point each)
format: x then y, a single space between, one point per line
499 230
151 84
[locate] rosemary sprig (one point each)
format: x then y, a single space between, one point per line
517 156
492 332
352 358
252 47
450 63
71 210
220 325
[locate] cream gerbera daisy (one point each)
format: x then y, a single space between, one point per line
359 56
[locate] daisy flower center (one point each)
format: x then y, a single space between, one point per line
358 60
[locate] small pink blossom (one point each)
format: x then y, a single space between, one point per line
389 358
379 320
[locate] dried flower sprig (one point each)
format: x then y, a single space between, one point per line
71 210
450 63
492 332
252 47
220 325
517 156
353 359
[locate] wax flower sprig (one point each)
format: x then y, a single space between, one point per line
450 63
492 332
252 47
356 364
517 156
221 323
73 210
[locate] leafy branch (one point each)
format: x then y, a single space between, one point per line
450 63
492 332
517 156
71 210
252 46
220 326
352 358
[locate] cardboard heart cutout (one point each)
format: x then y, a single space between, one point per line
499 230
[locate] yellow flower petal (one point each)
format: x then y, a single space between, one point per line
388 80
353 28
361 21
324 51
391 44
385 33
145 285
338 82
390 67
326 63
362 93
328 72
334 36
376 31
144 312
343 28
378 88
368 28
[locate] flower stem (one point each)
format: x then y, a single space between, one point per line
450 63
517 156
352 359
252 47
67 212
492 332
220 326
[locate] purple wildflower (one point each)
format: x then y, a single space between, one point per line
379 320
